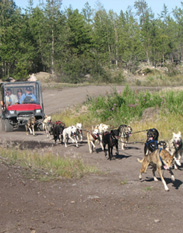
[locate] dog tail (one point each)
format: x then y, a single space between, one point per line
140 160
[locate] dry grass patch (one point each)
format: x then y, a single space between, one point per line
49 165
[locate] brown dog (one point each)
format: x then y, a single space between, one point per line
29 126
157 159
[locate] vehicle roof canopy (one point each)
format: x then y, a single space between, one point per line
34 86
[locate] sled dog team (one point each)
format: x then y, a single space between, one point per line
159 154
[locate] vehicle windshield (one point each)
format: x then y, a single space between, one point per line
21 93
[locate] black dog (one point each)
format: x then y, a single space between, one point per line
58 130
110 139
152 142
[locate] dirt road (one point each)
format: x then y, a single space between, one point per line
113 201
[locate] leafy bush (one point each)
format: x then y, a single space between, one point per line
123 107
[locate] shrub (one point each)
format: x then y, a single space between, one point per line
123 107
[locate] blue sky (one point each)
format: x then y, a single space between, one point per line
115 5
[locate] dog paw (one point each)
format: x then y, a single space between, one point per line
178 163
166 189
155 179
172 177
140 177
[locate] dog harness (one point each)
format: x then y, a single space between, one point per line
152 145
95 136
160 149
113 139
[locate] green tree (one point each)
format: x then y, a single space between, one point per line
130 47
52 14
36 23
78 45
178 33
103 35
145 17
7 10
87 12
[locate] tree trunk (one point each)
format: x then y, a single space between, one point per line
52 53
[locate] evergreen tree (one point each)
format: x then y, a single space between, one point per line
7 47
146 18
130 46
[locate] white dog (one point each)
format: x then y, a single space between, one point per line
70 133
175 146
45 124
92 137
79 131
101 128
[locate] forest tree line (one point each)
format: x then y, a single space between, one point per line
76 44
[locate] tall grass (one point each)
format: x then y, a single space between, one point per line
127 107
165 123
123 106
48 164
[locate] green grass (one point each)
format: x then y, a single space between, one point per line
165 123
127 107
123 182
47 165
148 188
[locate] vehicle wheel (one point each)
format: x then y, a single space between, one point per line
7 126
2 128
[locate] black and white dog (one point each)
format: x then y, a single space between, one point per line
30 125
79 132
70 133
124 132
152 142
110 139
175 146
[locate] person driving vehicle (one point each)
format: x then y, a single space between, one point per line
28 97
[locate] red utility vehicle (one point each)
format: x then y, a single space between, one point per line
13 114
